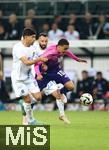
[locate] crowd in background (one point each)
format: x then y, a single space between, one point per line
93 83
72 28
4 93
96 85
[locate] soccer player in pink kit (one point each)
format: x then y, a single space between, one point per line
51 70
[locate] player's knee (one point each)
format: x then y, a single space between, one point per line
27 99
38 97
70 87
56 94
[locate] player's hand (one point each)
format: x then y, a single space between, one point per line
82 60
43 59
39 77
44 67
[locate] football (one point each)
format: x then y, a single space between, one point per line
86 99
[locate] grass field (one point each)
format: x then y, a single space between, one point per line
88 130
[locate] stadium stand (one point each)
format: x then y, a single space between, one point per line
48 12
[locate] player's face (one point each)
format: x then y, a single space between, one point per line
62 49
43 41
30 39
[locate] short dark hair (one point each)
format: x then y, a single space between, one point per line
63 42
43 34
99 73
28 32
84 71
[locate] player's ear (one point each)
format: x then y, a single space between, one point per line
59 46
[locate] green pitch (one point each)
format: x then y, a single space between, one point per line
88 130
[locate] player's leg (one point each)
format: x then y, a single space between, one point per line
25 118
34 93
61 77
21 90
24 121
68 86
29 113
52 88
60 99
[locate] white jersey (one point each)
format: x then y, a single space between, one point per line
21 71
72 36
38 50
55 35
38 53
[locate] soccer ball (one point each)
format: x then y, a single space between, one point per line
86 99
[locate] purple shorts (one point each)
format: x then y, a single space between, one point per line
59 76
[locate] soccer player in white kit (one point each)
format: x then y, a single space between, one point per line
23 81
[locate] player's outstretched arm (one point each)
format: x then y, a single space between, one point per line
37 71
74 57
82 60
28 62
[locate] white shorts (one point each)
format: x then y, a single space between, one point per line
51 87
22 88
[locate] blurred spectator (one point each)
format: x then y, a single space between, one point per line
28 23
45 28
87 27
1 62
71 33
74 21
60 22
99 86
13 27
3 33
2 20
106 30
4 96
31 14
84 85
99 27
91 74
55 33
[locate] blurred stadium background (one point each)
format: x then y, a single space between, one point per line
86 21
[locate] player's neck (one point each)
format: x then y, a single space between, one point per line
25 43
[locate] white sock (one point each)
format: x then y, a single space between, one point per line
28 110
60 105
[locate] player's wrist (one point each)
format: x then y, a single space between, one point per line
37 60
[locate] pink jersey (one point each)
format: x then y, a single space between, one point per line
52 54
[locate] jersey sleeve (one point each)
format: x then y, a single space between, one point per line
71 55
37 68
47 54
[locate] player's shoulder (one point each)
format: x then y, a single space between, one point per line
52 46
35 44
18 48
18 44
